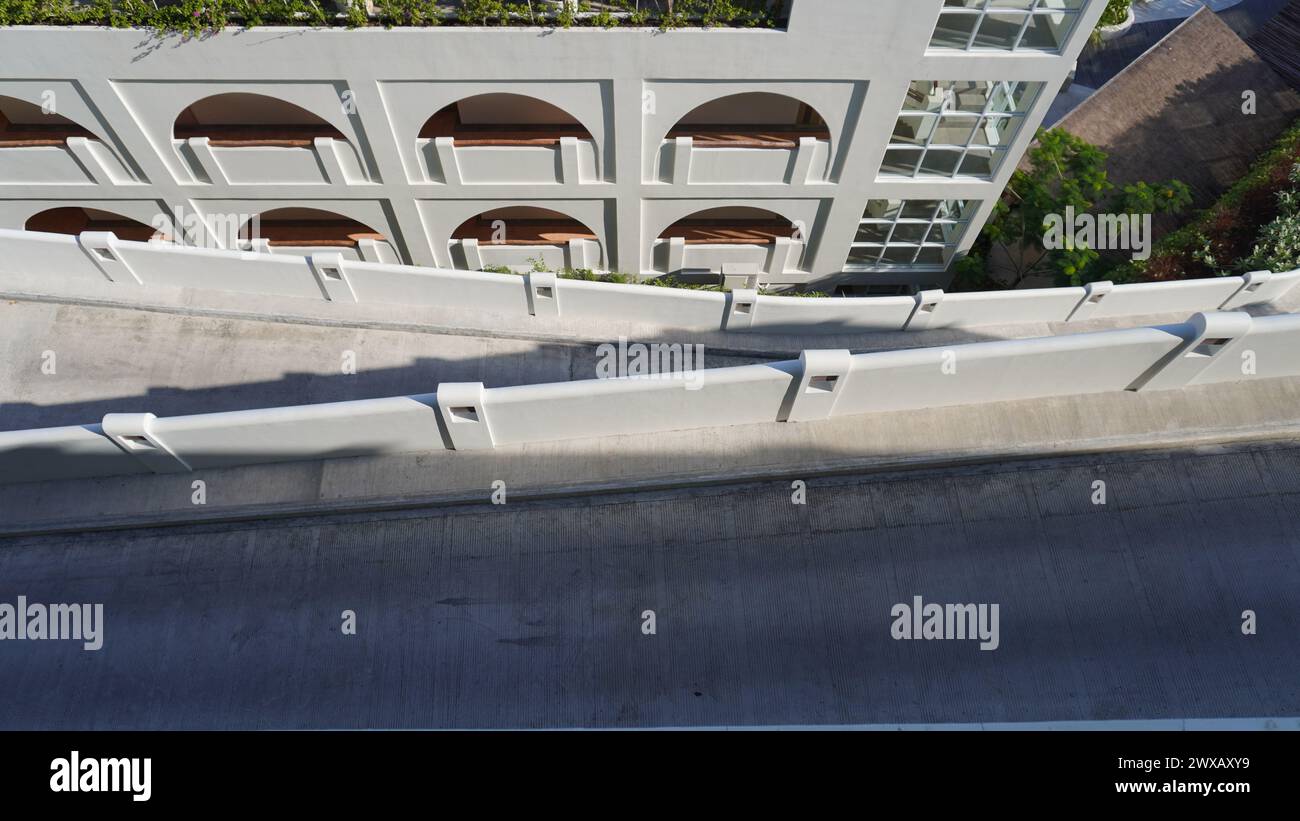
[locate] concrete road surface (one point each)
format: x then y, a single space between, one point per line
765 612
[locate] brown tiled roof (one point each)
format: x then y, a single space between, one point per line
1177 113
1278 43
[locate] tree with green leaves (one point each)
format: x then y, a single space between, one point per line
1064 171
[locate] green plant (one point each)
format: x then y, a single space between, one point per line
799 294
1221 239
199 17
483 11
970 273
1116 12
355 14
604 19
567 15
1278 248
407 12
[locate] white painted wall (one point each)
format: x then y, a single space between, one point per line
849 59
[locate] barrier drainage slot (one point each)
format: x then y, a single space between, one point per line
929 307
1210 347
331 273
822 384
138 442
1095 298
104 253
465 414
744 307
545 292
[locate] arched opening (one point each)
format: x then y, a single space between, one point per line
23 124
731 226
522 226
241 119
307 228
756 119
503 120
75 219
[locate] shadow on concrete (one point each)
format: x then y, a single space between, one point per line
420 377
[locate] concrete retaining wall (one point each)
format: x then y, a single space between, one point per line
1215 347
1005 370
369 427
69 452
102 255
608 407
1271 348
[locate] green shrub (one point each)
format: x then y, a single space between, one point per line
406 12
1116 12
1278 247
194 17
1222 239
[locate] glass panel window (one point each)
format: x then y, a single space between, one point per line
915 234
865 256
1006 25
902 161
957 127
873 232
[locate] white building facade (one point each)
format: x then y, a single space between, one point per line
862 143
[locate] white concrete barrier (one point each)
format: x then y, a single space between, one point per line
1212 337
1006 307
368 427
674 307
785 314
55 255
161 263
410 285
1003 370
1185 296
72 452
103 256
1271 348
1212 347
609 407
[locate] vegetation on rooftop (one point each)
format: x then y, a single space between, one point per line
195 17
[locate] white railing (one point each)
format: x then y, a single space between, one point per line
682 162
326 162
80 160
570 161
